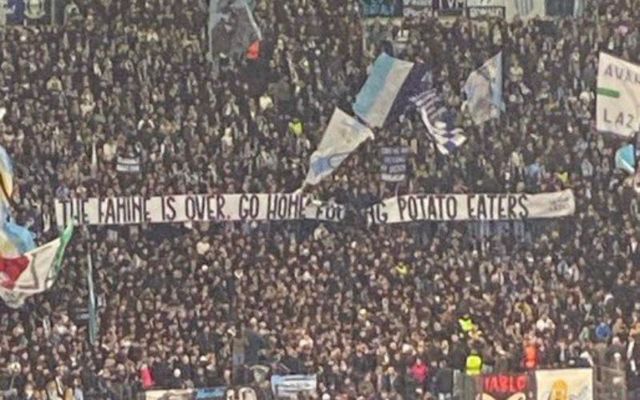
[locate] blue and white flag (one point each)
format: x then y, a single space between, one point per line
484 91
386 93
343 135
429 104
626 158
290 386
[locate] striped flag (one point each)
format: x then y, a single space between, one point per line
429 104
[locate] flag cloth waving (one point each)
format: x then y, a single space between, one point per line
343 135
429 104
386 93
6 175
33 272
618 96
232 27
484 91
626 158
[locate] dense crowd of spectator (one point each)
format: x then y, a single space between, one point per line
375 311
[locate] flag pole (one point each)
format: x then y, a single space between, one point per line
92 323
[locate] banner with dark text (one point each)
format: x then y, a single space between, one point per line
506 387
195 207
290 207
471 207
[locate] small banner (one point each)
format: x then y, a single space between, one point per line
381 8
291 386
506 387
415 8
128 164
570 384
394 163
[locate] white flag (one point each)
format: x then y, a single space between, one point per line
33 272
484 90
618 96
343 135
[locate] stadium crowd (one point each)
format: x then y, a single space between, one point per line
383 312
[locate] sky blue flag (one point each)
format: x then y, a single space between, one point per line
484 91
6 174
626 158
388 90
15 240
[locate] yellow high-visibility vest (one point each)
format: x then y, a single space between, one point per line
295 127
466 324
474 365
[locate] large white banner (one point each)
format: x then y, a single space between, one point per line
618 96
472 207
575 384
194 207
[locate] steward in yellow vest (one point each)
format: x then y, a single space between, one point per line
474 364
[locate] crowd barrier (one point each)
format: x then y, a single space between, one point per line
279 387
548 384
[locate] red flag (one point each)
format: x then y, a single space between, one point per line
11 269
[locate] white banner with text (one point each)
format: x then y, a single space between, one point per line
472 207
289 207
194 207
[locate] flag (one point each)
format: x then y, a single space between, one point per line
484 91
232 27
342 136
429 105
6 175
618 96
626 158
33 272
93 320
291 386
15 240
386 93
